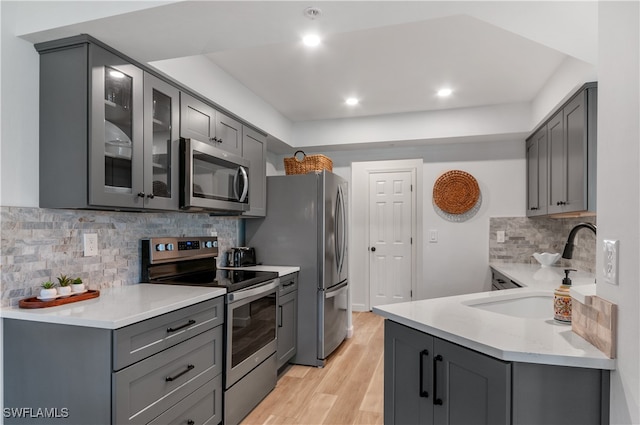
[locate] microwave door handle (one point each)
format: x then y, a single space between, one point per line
245 184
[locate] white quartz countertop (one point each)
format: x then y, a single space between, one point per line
119 306
538 277
505 337
281 270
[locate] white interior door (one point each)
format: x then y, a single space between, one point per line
390 237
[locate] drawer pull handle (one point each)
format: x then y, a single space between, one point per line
191 422
173 378
189 323
289 284
437 401
423 392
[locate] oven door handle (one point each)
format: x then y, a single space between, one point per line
247 293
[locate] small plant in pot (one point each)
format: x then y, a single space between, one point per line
64 288
48 290
77 285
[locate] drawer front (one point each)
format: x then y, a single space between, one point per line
145 390
141 340
288 283
202 407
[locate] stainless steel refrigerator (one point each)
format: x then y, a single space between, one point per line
306 225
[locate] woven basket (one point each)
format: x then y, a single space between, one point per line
456 192
307 164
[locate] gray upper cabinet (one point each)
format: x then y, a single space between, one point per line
161 144
570 159
110 131
106 147
254 148
537 173
201 121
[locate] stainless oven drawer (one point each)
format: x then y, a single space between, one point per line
143 339
203 406
146 389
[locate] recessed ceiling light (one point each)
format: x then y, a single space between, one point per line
311 40
351 101
445 92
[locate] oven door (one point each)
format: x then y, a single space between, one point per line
212 179
251 328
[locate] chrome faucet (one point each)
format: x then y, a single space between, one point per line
568 247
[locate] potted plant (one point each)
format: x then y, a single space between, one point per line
64 288
77 285
48 290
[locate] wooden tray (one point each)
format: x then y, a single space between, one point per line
34 302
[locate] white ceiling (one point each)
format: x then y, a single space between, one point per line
392 55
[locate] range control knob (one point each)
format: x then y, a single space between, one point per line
160 247
215 243
208 244
169 247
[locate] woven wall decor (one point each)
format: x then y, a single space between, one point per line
456 192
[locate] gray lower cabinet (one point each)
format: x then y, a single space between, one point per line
167 369
201 121
287 319
431 381
254 148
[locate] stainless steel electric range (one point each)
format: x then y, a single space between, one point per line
250 313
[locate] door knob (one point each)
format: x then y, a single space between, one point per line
373 249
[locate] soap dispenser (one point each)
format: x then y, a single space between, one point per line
562 299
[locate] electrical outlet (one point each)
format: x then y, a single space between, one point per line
500 236
610 263
90 244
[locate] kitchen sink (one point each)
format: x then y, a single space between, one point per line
526 306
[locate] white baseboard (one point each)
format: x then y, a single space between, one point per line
359 307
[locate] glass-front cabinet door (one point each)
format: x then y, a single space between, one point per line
161 143
116 143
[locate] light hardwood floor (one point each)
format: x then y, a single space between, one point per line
348 390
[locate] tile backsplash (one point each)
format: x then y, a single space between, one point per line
40 244
524 236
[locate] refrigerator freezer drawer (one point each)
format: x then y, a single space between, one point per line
333 311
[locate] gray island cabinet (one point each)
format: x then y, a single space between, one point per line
428 380
165 369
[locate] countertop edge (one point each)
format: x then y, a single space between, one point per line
504 355
50 315
281 270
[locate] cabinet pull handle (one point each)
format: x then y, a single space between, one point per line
173 378
141 194
533 208
151 196
189 323
436 400
289 284
191 422
280 318
423 392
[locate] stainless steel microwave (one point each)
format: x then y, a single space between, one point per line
212 179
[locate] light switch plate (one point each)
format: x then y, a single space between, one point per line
500 236
610 261
433 236
90 244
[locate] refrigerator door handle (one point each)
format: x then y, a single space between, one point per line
340 236
335 292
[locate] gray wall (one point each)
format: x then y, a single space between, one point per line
40 244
